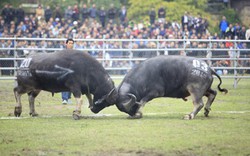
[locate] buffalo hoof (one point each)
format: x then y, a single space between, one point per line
33 114
76 115
138 115
188 117
18 111
206 111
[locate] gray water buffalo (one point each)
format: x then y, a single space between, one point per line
66 70
167 76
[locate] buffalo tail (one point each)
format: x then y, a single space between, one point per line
220 89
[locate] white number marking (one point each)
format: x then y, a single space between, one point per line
201 65
26 63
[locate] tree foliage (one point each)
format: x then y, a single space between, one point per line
138 10
65 3
231 15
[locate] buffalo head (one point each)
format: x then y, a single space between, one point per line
127 103
105 101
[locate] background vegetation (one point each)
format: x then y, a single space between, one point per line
138 10
161 132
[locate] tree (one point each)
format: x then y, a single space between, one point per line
138 10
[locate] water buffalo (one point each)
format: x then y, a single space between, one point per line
66 70
167 76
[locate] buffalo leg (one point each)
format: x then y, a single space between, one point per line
32 95
18 91
78 96
142 103
77 112
197 102
211 94
89 97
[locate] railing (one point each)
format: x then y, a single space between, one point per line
118 65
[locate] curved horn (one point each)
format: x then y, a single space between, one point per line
131 102
111 92
112 96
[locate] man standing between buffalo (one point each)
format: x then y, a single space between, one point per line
67 95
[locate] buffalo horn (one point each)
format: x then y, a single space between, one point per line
132 100
112 96
111 92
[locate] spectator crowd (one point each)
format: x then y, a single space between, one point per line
111 23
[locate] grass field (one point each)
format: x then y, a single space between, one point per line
161 131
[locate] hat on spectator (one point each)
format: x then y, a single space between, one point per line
57 19
75 23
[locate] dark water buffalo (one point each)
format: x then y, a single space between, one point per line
66 70
167 76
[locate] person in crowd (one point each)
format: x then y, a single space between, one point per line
111 14
222 53
102 16
67 95
5 13
161 14
19 14
123 15
248 33
184 20
152 15
242 33
57 13
93 12
84 12
176 25
54 22
39 12
237 29
223 27
244 54
76 13
8 13
190 21
204 26
68 13
197 23
48 13
230 32
12 13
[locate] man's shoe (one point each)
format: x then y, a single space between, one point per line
64 102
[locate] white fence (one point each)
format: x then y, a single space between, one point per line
120 55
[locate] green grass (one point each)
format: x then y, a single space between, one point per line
161 131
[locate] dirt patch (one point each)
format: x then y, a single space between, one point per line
130 153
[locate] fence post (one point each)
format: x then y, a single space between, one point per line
235 64
103 51
130 46
184 44
209 53
158 46
15 55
